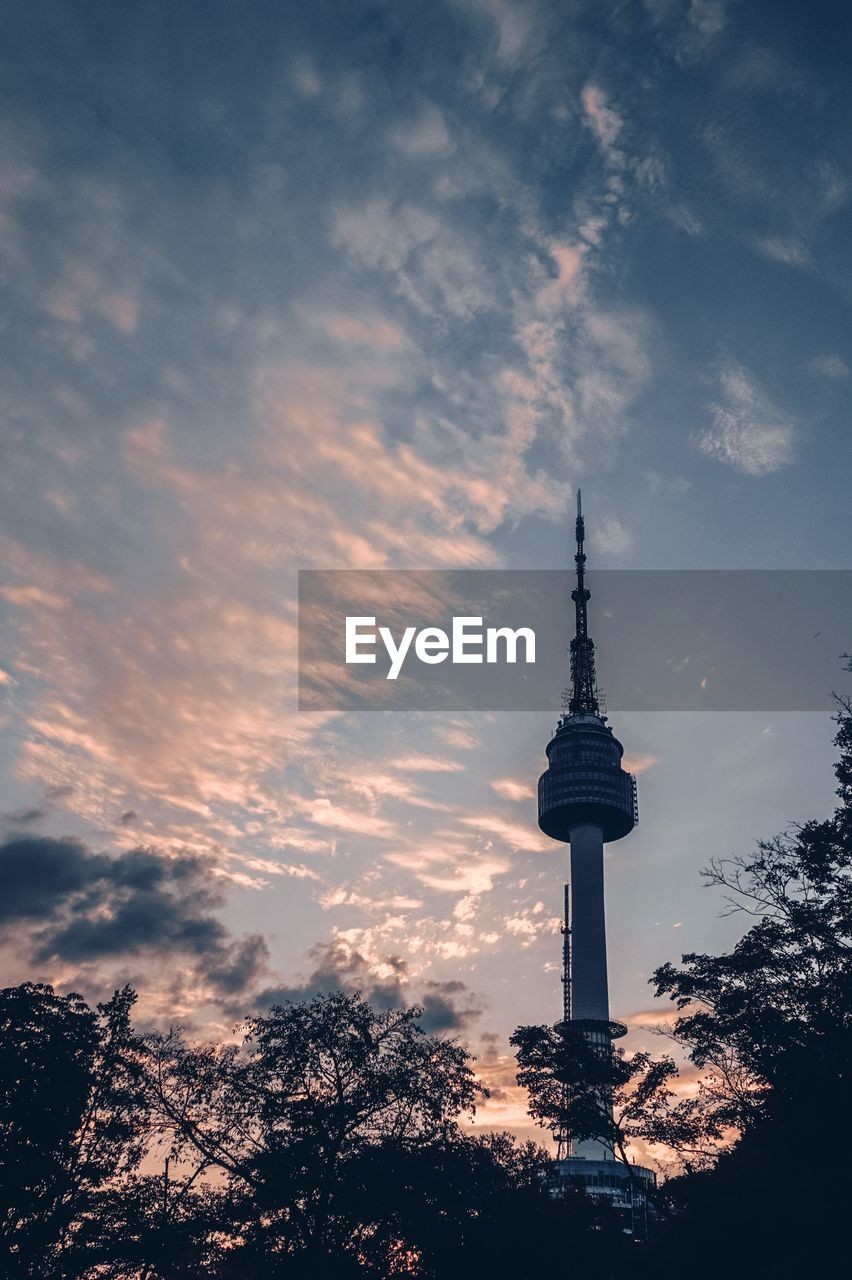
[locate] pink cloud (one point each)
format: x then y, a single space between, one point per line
639 763
510 833
425 764
513 789
567 288
379 335
605 123
121 310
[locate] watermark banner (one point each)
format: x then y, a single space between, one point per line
666 639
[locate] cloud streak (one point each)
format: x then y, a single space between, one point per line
747 432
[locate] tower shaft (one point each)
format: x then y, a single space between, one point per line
589 987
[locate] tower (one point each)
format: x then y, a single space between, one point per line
586 800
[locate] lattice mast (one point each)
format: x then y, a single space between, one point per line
584 685
566 958
563 1137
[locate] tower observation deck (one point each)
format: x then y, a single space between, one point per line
586 800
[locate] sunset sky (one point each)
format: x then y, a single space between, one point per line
378 284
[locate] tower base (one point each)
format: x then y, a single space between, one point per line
629 1189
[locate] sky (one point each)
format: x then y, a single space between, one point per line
378 285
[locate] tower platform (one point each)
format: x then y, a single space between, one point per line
584 783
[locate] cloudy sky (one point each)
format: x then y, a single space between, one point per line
377 284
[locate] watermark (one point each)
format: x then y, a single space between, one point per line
665 640
465 643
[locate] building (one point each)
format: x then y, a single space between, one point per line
586 800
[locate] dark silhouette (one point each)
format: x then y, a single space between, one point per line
72 1129
770 1025
326 1144
595 1091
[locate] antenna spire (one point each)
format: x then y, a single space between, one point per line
584 697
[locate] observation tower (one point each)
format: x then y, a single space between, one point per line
586 800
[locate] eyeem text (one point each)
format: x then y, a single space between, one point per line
466 642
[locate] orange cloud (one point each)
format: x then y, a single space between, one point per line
513 789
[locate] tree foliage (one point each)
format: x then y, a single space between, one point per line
594 1092
319 1095
770 1026
71 1126
770 1022
327 1141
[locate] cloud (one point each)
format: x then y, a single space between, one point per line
519 30
507 1107
83 293
605 123
364 331
170 701
834 186
375 784
166 707
173 707
513 789
736 168
567 285
448 1005
588 364
305 78
697 30
340 896
431 265
611 537
425 135
122 310
748 432
236 969
685 218
18 818
73 905
832 366
325 813
510 833
531 925
459 735
789 251
425 764
451 866
638 763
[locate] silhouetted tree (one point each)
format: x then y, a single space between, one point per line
319 1095
485 1205
72 1131
590 1091
774 1014
770 1026
327 1143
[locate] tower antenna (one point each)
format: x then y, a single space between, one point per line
584 690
